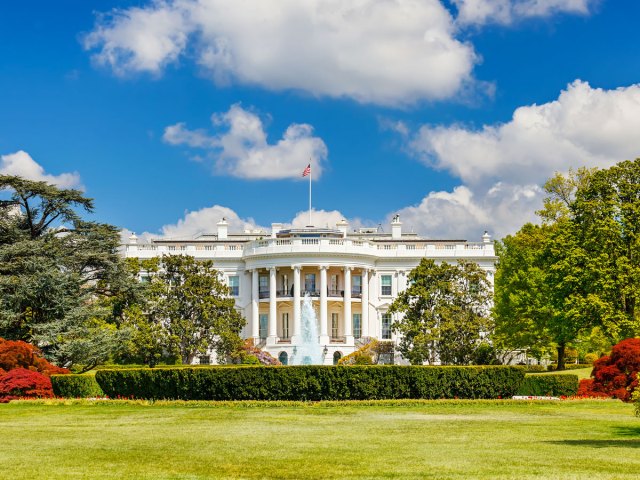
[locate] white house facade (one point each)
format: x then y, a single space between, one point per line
351 276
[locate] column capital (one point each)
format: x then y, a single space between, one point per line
348 267
297 268
323 267
273 269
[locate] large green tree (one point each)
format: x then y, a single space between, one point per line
579 272
57 272
444 313
186 311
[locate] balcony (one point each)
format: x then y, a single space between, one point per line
337 339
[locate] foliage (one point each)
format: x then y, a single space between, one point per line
585 389
23 383
369 354
549 385
57 274
18 354
249 354
577 275
443 313
186 311
76 386
616 374
312 382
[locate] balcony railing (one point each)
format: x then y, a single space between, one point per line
337 339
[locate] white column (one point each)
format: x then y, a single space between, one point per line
296 304
324 337
273 312
365 302
348 321
255 312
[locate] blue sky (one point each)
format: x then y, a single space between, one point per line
174 113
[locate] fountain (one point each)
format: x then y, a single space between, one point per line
309 351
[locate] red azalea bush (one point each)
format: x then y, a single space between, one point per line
18 354
615 375
23 383
585 389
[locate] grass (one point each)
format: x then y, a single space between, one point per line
580 372
389 439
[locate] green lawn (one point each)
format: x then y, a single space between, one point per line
437 439
580 372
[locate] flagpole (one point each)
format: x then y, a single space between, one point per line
310 224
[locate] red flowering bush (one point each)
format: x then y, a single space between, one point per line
18 354
23 383
615 375
585 389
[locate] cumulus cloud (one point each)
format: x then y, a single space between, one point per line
242 149
386 52
505 12
585 126
21 164
503 166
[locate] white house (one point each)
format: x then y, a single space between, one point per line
352 277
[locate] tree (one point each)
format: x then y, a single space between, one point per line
581 273
187 311
57 271
443 312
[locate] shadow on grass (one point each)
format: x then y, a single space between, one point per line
631 443
620 442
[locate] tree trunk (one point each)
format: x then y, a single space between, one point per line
560 349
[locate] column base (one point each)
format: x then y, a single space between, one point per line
272 340
349 341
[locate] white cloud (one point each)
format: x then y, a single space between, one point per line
503 166
463 214
585 126
480 12
374 51
21 164
204 221
242 150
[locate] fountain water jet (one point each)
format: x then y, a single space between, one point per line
309 351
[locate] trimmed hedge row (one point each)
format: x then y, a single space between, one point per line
76 386
549 385
313 382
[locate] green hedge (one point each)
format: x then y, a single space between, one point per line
76 386
313 382
549 385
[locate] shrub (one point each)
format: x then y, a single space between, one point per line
549 385
585 389
312 382
371 353
18 354
76 386
249 354
615 374
535 368
23 383
590 358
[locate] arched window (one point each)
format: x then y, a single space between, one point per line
284 358
336 356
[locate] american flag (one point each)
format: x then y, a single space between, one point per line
307 171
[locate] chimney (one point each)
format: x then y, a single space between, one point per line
275 228
133 239
486 238
223 227
396 228
343 226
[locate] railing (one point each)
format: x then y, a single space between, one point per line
337 339
311 293
285 293
284 340
263 294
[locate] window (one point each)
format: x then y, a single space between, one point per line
334 325
284 358
310 282
357 325
386 326
333 286
234 285
264 322
356 288
263 286
204 359
285 327
385 285
336 357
